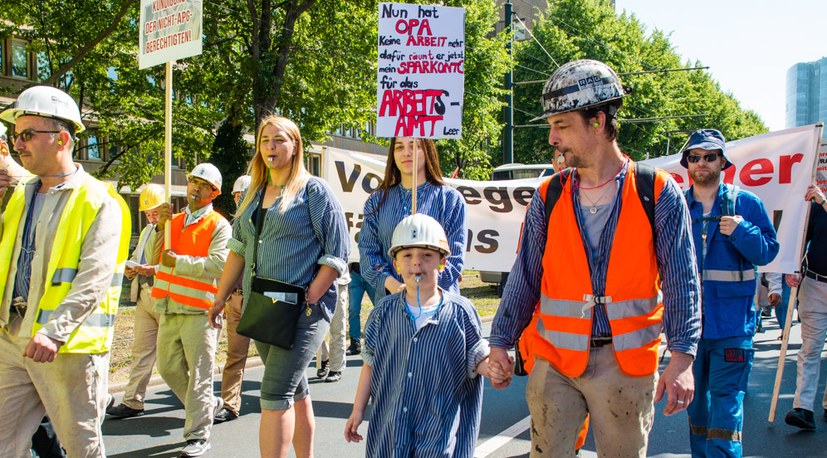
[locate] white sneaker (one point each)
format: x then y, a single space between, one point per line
195 447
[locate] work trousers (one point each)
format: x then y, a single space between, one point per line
620 408
716 415
143 348
238 347
334 350
71 390
812 310
186 351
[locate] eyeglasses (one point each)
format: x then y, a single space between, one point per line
200 184
711 157
26 135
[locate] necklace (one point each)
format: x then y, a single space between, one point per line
593 203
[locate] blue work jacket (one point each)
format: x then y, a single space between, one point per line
727 264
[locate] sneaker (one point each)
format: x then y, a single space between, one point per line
333 376
801 418
224 415
355 347
218 407
110 401
123 411
195 447
323 370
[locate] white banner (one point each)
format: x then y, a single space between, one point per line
169 30
777 167
420 78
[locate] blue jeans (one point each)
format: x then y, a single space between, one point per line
781 310
716 415
357 288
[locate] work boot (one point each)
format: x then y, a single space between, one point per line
355 347
801 418
322 371
123 411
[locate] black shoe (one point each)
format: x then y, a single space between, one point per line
110 401
333 376
355 347
825 414
124 411
801 418
223 415
322 371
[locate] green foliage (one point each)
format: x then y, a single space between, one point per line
575 29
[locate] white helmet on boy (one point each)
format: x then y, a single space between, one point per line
421 231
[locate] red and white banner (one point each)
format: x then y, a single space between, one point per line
777 167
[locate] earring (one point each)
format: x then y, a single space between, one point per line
60 142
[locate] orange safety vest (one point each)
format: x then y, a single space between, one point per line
192 240
564 322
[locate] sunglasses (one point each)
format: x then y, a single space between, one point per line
711 157
28 134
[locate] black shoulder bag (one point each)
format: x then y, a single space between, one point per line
274 307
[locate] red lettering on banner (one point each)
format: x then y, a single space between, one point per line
407 125
406 102
756 167
785 165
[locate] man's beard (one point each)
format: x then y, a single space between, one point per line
710 178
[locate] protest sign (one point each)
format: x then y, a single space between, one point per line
168 30
420 78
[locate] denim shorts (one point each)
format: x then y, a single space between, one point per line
285 378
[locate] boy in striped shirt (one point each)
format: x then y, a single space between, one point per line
423 357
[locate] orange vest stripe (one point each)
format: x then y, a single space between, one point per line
186 282
564 328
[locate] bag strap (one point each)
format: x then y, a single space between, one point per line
645 178
260 214
554 189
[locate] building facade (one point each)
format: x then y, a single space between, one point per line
806 93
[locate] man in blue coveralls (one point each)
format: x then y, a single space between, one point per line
732 234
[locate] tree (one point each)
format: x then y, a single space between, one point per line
575 29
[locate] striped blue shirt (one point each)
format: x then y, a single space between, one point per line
427 398
443 203
293 244
675 256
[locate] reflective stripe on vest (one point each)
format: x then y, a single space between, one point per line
729 275
98 320
567 299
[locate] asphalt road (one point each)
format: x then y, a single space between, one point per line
504 429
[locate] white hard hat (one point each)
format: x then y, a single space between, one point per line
152 196
242 183
45 101
577 85
208 173
419 230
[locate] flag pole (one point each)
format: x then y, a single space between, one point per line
168 147
785 335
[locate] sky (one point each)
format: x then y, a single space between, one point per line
747 45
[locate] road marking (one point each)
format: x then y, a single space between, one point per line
494 443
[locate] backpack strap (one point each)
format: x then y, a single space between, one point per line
730 197
645 177
554 189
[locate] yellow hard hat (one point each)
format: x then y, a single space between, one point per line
152 196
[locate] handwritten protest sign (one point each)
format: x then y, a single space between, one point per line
169 30
421 71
